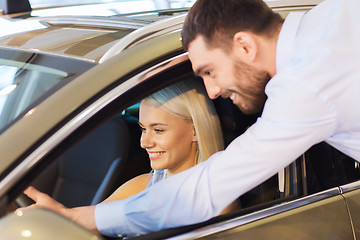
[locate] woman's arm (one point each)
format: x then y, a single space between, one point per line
84 216
131 187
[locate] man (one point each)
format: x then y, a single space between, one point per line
306 72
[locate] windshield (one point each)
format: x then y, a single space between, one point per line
27 79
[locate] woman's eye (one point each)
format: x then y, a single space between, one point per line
158 130
207 73
142 129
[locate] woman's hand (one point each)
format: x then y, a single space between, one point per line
84 216
44 201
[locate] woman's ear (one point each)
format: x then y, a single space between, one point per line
194 137
245 46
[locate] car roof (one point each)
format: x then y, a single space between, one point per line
89 38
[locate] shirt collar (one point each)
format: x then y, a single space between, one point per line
286 41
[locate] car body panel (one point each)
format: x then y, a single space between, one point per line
351 193
327 219
81 43
89 38
21 226
303 218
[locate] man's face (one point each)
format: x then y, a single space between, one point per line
225 75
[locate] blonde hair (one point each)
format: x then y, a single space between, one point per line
188 100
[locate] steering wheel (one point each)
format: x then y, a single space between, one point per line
23 201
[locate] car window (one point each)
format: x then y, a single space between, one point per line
327 167
347 169
26 79
22 84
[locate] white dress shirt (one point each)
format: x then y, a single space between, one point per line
313 97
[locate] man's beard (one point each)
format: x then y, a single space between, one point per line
251 83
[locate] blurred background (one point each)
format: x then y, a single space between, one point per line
126 5
45 8
52 8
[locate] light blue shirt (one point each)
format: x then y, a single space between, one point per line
313 97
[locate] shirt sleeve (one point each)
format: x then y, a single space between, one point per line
285 130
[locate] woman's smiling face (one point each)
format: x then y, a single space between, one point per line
169 140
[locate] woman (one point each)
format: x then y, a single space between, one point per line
180 128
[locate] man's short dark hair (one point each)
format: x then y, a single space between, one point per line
218 21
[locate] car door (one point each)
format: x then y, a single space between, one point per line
348 175
312 208
320 216
352 196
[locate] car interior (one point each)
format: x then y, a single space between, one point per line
93 168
